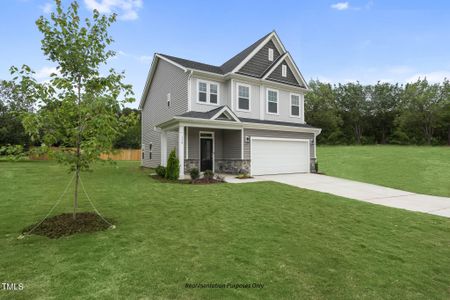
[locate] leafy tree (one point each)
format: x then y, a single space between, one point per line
79 106
353 108
131 138
422 110
321 111
11 129
384 109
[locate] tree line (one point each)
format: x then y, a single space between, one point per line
416 113
13 105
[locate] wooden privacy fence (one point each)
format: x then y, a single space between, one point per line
123 154
119 154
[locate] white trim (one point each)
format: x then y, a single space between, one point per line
181 150
229 111
208 92
163 136
262 102
290 61
315 144
242 143
283 70
299 106
249 97
187 142
271 69
281 139
195 122
270 54
232 93
190 91
200 149
267 102
280 48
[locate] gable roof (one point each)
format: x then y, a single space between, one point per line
211 114
233 62
228 66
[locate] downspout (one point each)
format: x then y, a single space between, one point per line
190 90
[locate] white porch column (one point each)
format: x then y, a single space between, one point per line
163 148
181 149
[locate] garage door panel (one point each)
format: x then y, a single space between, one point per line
277 156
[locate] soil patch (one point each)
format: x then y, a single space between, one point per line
64 225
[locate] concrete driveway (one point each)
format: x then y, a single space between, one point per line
360 191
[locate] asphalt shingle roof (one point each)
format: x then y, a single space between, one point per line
209 114
227 67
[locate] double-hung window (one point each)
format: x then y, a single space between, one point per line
272 101
208 92
295 105
243 97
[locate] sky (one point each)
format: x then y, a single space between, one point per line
333 41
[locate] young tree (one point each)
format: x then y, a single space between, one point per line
79 107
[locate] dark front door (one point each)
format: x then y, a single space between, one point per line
206 154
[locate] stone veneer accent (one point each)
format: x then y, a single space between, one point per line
231 166
312 165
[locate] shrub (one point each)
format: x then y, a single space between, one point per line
208 174
13 152
173 166
195 173
160 171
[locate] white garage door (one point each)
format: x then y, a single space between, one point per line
279 156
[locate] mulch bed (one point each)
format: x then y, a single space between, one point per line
202 180
64 225
206 181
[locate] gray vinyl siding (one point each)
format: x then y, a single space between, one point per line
167 79
260 61
276 134
223 98
227 143
276 75
284 107
255 104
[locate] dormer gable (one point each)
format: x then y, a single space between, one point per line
285 71
261 61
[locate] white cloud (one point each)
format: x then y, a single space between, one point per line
46 8
45 72
341 6
433 77
125 9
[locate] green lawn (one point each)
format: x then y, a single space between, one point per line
299 244
423 170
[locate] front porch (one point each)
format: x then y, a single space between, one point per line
207 148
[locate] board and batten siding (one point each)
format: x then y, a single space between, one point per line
259 63
227 143
277 75
167 79
276 134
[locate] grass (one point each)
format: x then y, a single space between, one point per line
424 170
298 243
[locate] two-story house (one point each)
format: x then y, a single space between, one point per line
245 115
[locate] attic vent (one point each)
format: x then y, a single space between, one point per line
270 54
284 70
224 117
